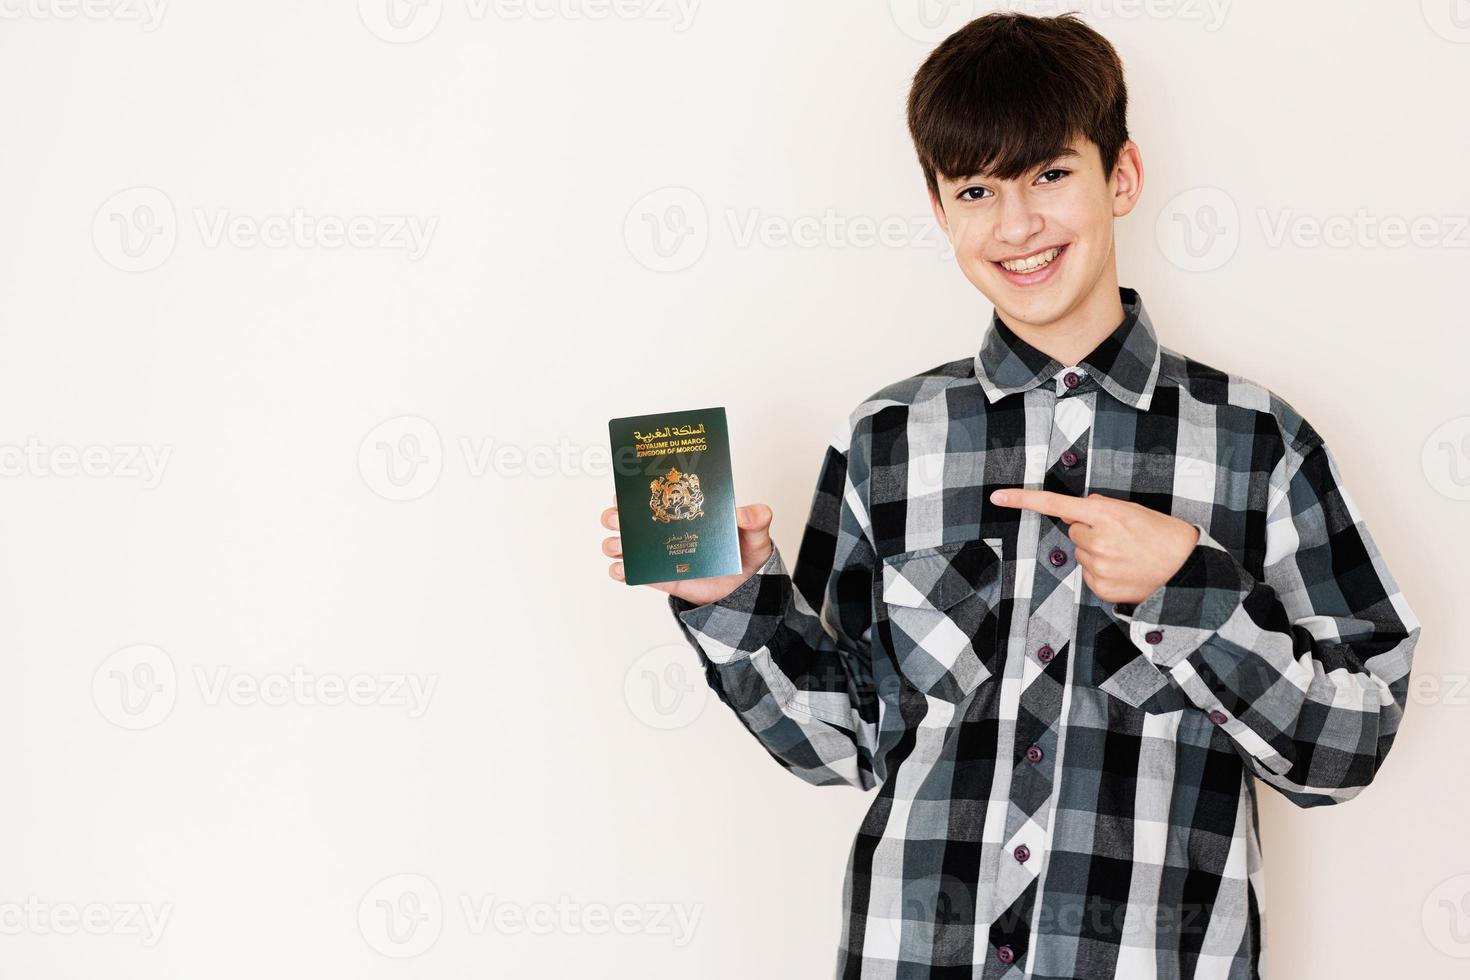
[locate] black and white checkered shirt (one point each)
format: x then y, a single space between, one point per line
1066 786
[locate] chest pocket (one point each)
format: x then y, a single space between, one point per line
939 610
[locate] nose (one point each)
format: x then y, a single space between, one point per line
1016 221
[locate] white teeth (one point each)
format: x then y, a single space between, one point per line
1034 262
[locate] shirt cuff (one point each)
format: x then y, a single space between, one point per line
745 619
1181 615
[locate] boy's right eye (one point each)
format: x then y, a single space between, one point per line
972 193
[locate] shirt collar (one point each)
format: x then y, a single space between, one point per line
1125 363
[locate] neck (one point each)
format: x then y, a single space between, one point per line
1072 336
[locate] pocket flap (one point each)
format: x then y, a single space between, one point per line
1123 671
1136 682
939 577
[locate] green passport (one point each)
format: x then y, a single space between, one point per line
676 496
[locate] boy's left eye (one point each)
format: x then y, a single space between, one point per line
1060 174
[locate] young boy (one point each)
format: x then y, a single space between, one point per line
1066 600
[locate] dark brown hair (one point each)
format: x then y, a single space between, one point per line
1008 91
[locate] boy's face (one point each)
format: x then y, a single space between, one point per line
1065 204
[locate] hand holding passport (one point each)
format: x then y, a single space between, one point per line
676 507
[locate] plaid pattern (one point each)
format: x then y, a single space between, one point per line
1067 786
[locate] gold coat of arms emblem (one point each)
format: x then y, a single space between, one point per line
676 497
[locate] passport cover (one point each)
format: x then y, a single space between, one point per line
676 496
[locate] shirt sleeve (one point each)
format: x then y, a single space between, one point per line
1307 668
790 654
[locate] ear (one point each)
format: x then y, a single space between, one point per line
1127 179
939 214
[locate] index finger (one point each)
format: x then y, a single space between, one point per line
1065 506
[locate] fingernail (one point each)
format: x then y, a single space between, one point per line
999 497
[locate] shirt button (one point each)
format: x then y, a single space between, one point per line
1219 717
1058 557
1033 754
1045 654
1005 954
1072 379
1022 852
1154 636
1069 458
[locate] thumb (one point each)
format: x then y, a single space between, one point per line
754 521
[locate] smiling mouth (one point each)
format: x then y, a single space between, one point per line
1032 263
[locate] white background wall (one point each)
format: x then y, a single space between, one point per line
170 630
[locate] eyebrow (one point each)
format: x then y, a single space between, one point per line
1064 155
